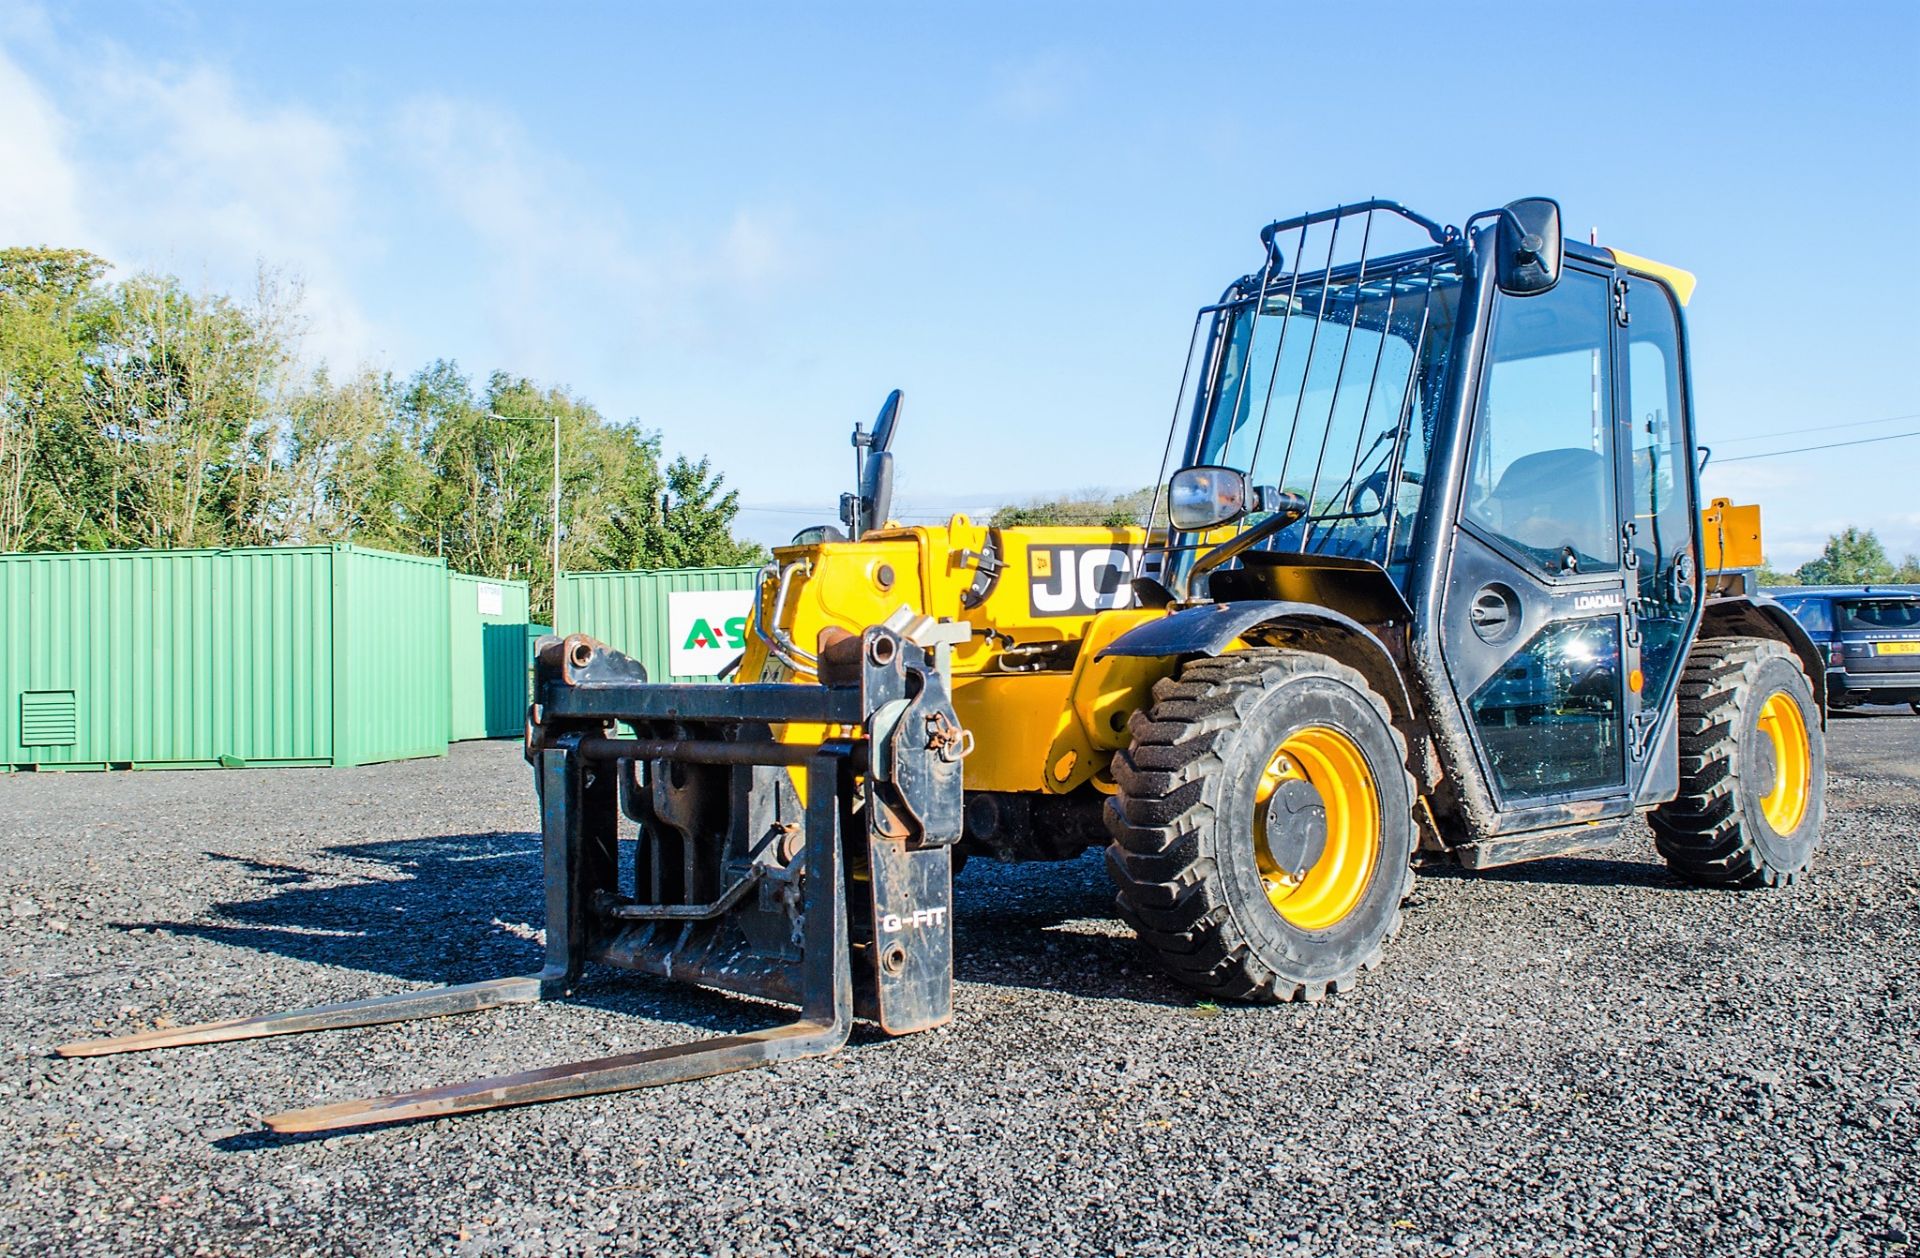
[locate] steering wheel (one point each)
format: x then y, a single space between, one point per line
1376 485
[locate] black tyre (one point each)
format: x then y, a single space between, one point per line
1753 768
1263 829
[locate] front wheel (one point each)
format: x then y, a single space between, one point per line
1263 828
1753 768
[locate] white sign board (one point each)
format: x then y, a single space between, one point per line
492 599
706 629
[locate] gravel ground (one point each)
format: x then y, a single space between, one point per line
1577 1056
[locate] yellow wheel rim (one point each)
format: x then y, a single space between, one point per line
1327 890
1785 802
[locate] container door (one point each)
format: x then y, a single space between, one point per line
1535 618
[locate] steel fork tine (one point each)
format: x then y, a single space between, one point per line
653 1067
438 1002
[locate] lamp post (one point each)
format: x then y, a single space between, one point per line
555 420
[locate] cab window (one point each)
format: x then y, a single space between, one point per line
1541 474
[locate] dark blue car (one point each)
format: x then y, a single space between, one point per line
1871 639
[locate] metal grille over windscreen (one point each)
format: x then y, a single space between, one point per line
1321 376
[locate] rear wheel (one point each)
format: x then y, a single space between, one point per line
1263 827
1752 768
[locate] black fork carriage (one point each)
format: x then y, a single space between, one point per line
790 844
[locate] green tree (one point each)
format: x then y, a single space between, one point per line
1090 507
351 467
1852 556
1767 574
138 413
51 317
181 407
676 517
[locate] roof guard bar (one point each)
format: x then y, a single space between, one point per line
1441 234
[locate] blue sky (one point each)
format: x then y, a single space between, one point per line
742 225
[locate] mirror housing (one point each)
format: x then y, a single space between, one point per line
883 423
876 489
1205 497
1528 246
867 507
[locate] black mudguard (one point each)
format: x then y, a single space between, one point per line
1210 628
1750 616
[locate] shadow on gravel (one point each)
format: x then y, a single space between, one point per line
460 908
457 908
1571 871
1037 926
444 909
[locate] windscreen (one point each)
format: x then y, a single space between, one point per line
1328 386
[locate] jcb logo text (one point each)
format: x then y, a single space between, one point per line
1080 580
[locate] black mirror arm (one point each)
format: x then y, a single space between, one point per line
1291 508
1531 243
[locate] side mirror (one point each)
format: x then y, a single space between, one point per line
1527 247
872 499
876 488
884 422
1205 497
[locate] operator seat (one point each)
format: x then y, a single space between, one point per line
1553 499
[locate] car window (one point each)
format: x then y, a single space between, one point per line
1880 614
1811 613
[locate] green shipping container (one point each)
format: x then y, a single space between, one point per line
684 624
309 655
487 660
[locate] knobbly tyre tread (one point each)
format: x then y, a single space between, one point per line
1166 883
1703 833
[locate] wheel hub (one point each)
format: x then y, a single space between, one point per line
1296 827
1316 827
1785 763
1766 764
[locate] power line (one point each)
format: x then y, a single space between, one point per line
1794 432
1831 445
829 511
1739 458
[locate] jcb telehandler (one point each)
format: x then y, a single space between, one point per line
1429 575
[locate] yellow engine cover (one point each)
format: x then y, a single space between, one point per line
1045 715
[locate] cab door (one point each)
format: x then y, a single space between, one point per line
1659 510
1535 620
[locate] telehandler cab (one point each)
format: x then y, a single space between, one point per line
1429 575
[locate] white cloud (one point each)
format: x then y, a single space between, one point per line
171 169
555 245
1803 504
181 169
42 200
212 183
